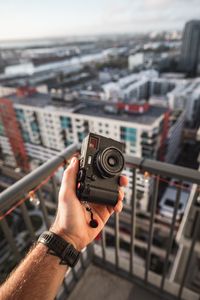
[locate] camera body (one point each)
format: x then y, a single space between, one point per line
101 163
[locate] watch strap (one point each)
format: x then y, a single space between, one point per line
59 247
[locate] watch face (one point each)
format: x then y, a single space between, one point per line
64 250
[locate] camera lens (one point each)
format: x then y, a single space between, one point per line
110 162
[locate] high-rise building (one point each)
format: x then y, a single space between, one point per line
190 55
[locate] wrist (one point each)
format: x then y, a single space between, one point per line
57 246
62 233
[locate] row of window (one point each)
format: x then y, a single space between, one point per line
128 138
103 124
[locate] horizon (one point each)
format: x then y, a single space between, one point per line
22 21
80 37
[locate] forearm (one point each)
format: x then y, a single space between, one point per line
39 276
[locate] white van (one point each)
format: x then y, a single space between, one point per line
167 203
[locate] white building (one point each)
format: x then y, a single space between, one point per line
47 127
133 86
175 132
135 60
186 96
177 94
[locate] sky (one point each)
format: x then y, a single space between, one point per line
22 19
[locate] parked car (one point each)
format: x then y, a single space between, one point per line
168 201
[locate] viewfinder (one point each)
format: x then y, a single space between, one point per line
93 143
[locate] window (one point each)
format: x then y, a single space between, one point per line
26 136
34 127
171 203
128 134
65 122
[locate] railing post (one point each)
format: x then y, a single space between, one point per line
117 240
27 221
55 189
151 229
44 209
8 235
133 219
194 238
171 234
103 244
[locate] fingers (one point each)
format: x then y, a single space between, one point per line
123 181
118 207
120 195
70 174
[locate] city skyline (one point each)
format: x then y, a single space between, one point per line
127 71
22 20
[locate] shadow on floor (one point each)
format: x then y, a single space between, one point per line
98 284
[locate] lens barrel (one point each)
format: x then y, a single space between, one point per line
110 162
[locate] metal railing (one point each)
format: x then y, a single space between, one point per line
161 284
120 249
20 190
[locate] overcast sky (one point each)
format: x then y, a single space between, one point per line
21 19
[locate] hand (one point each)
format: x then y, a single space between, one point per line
72 219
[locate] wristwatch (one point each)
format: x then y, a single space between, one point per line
59 247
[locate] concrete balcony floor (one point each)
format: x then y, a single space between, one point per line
98 284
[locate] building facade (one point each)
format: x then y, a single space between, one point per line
44 127
190 57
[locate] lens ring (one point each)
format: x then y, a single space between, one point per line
114 156
112 161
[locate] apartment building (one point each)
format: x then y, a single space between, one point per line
177 94
44 127
186 96
138 86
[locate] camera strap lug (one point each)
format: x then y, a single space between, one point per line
93 222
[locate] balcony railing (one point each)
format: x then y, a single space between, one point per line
121 248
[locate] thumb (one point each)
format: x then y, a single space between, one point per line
70 174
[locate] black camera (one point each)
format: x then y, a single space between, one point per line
101 164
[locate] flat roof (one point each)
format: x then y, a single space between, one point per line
90 108
147 118
38 99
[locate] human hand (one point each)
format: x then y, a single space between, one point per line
72 219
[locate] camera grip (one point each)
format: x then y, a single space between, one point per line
103 196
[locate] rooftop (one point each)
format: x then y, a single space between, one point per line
90 108
146 118
38 100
